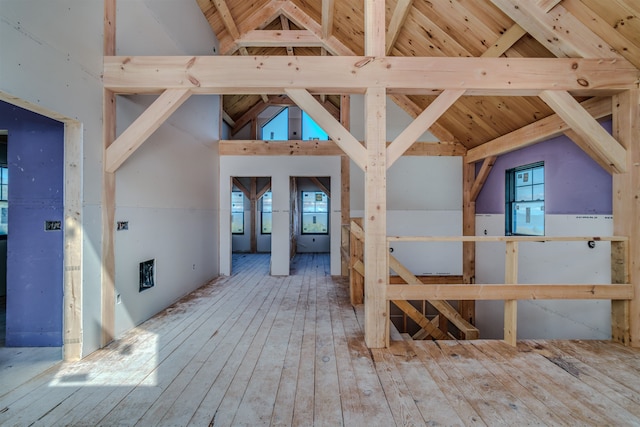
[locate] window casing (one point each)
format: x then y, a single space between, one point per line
266 213
524 200
315 212
237 212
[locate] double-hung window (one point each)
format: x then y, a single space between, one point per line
237 212
315 212
524 200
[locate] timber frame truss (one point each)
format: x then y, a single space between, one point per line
585 66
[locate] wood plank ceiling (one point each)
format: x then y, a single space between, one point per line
437 28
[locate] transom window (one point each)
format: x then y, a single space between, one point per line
524 194
315 212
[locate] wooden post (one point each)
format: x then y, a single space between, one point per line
511 306
467 309
345 180
625 315
253 189
356 255
108 271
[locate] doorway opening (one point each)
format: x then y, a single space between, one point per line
251 218
310 226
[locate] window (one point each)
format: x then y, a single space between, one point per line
315 212
4 197
265 213
277 129
524 194
311 130
237 212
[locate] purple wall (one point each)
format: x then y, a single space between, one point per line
34 256
574 183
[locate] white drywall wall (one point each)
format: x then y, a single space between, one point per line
280 169
52 57
549 262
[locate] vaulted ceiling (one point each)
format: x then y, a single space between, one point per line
436 28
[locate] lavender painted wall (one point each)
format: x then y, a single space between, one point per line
574 183
34 256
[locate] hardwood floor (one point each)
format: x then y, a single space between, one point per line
252 349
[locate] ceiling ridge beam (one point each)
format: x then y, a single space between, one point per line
349 144
592 133
538 131
279 38
147 123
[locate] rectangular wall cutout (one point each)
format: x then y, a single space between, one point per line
147 275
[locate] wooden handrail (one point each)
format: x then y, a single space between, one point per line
506 239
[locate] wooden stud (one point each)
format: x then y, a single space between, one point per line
620 314
593 134
626 214
511 305
148 122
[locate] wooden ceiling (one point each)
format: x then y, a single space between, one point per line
436 28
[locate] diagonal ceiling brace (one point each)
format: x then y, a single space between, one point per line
341 136
148 122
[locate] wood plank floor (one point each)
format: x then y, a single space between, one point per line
253 350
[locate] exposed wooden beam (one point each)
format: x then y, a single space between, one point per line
625 317
511 305
321 186
414 110
327 18
279 38
330 125
581 122
482 176
603 29
376 307
345 183
241 187
339 74
560 32
284 22
259 147
263 16
400 13
227 19
421 124
535 132
227 119
547 5
496 292
148 122
301 19
467 309
250 115
108 258
505 42
374 28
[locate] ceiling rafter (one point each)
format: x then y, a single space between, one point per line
538 131
400 13
560 31
328 8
